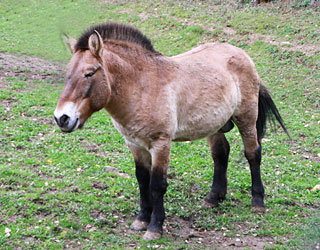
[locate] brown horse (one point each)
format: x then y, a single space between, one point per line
154 100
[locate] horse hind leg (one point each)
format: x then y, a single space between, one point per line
220 148
252 150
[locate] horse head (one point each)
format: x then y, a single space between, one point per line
86 89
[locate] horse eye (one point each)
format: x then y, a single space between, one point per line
89 74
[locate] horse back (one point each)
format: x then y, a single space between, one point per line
213 83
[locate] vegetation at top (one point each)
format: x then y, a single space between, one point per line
71 191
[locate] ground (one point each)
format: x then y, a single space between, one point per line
71 191
180 230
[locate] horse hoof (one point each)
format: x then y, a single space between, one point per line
208 204
152 235
139 225
258 209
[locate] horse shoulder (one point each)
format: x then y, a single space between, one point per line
151 116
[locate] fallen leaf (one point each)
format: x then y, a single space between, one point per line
116 172
316 188
99 185
7 231
265 140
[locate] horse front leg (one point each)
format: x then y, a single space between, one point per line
142 159
158 186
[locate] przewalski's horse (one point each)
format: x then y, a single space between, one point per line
154 100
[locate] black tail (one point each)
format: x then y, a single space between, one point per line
267 110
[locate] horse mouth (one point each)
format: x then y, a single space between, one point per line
73 128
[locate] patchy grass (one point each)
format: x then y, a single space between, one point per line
79 191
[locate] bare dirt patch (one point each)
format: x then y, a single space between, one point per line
307 48
229 31
7 104
183 231
29 68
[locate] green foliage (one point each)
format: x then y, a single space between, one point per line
55 189
299 4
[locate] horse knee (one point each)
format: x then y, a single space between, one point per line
142 174
253 156
158 184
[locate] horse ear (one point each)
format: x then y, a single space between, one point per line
69 42
96 44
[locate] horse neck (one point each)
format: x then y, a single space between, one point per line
125 58
130 71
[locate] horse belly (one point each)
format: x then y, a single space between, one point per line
200 126
205 114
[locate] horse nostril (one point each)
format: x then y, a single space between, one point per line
55 118
64 120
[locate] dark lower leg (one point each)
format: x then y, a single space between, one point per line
143 177
257 188
220 153
158 187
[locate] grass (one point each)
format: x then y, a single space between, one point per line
57 190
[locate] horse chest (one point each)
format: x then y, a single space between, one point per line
131 135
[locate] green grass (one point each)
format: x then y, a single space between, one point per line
55 189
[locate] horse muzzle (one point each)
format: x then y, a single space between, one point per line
66 125
67 118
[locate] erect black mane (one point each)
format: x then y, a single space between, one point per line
116 31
